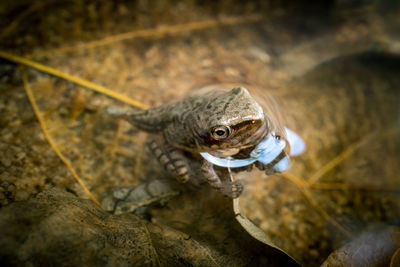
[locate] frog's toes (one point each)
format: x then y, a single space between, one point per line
111 199
136 199
232 189
260 166
270 171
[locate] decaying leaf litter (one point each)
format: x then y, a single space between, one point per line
106 153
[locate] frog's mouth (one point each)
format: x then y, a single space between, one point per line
224 152
269 149
244 134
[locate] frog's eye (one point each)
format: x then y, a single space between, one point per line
220 132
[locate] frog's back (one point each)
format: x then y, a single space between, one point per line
195 102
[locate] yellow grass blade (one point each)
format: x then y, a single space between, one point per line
50 141
82 82
159 31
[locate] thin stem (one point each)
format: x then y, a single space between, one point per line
50 140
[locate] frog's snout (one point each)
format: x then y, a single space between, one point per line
240 90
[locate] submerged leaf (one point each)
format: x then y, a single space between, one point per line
57 228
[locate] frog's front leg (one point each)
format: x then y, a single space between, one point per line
270 168
230 189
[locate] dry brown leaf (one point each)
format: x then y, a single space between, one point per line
57 228
375 247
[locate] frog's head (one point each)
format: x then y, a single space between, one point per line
231 121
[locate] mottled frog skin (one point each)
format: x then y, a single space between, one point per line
220 121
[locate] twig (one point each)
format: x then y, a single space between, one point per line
348 187
324 213
50 140
159 31
302 185
14 24
82 82
338 159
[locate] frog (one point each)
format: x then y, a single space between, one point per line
216 121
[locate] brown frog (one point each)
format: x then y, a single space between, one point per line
221 122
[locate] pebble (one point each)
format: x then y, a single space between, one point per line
6 162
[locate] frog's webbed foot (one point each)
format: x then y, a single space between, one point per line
229 189
137 199
232 189
172 159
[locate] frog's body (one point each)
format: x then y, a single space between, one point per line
220 122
